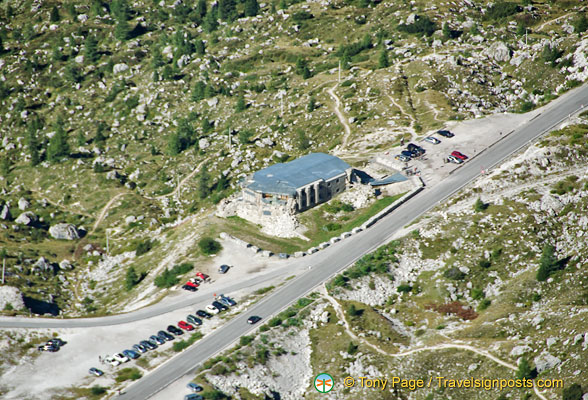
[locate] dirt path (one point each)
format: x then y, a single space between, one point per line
409 115
182 182
442 346
340 115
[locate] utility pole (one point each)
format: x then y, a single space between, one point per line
3 269
178 189
107 248
229 134
526 31
282 104
339 71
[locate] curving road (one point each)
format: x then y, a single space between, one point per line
325 263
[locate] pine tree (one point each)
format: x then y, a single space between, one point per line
204 183
72 72
201 8
122 31
131 278
524 371
120 10
241 105
99 139
206 125
55 14
199 47
96 8
311 105
251 8
383 60
210 21
198 91
33 144
446 31
81 138
5 165
58 145
91 49
227 10
156 57
174 144
346 60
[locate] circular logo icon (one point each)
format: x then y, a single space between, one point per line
323 383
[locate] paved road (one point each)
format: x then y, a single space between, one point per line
325 263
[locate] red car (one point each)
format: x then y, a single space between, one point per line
459 155
202 276
190 283
185 326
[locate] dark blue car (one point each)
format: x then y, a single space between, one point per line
131 354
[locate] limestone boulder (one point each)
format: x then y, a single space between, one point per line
64 231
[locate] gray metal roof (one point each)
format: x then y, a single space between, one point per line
285 178
397 177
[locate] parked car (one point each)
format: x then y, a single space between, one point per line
223 269
186 326
212 309
402 157
202 276
253 319
157 339
190 283
459 155
193 396
431 139
406 154
121 358
454 160
193 320
445 133
149 344
174 330
222 297
95 372
283 256
194 387
140 348
220 305
56 342
48 347
132 354
196 280
189 288
415 150
165 336
110 360
203 314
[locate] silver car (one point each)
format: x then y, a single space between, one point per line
432 139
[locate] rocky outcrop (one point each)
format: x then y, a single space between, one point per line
42 266
23 204
26 218
11 297
64 231
5 213
499 51
546 361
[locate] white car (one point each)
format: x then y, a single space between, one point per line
120 357
454 160
110 360
432 139
212 309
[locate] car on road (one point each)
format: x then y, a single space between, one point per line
223 269
157 339
193 396
212 309
445 133
110 360
165 336
121 358
253 319
132 354
402 157
95 372
193 320
185 326
454 160
431 139
203 314
459 155
194 387
140 348
189 288
174 330
149 344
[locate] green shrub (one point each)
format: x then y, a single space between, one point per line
97 390
245 340
477 294
480 206
209 246
404 288
502 9
352 348
275 322
548 263
484 304
143 247
484 263
573 392
422 26
179 346
454 273
126 374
